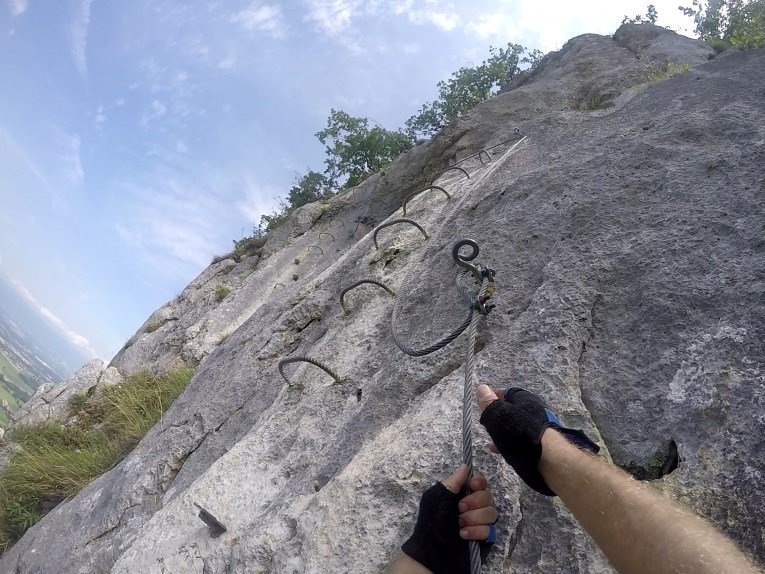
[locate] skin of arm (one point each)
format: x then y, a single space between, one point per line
406 565
636 528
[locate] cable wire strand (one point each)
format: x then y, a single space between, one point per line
468 414
302 359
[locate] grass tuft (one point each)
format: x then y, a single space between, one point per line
55 462
151 327
221 293
670 70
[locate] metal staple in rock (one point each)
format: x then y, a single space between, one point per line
394 222
517 132
302 359
480 157
347 311
416 193
452 168
315 247
325 233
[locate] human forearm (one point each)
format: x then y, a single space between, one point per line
637 529
406 565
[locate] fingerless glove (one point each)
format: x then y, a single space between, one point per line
516 426
436 542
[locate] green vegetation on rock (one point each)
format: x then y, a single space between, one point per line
221 293
355 151
651 16
671 69
54 461
725 23
469 86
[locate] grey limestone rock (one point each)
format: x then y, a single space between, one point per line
628 244
110 376
50 401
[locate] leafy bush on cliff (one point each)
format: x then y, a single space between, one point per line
468 87
355 151
54 462
724 23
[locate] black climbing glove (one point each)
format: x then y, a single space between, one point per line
436 542
516 426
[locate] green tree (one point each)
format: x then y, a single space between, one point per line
723 23
533 59
312 186
467 87
354 151
651 16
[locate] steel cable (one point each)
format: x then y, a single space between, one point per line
435 346
485 278
468 414
301 359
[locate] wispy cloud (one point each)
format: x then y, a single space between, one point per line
441 15
262 17
70 157
71 336
256 200
332 17
176 226
78 34
157 109
17 7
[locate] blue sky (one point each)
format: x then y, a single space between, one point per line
137 139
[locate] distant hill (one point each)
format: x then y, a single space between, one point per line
32 352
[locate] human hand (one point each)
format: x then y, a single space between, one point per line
516 424
477 511
446 522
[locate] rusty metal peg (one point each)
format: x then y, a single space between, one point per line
216 526
453 168
416 193
395 222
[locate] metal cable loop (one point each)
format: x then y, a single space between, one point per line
453 168
462 260
315 247
347 311
416 193
302 359
480 157
325 233
278 285
435 346
394 222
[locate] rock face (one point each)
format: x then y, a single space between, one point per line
50 402
629 248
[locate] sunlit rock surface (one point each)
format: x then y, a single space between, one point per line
627 236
